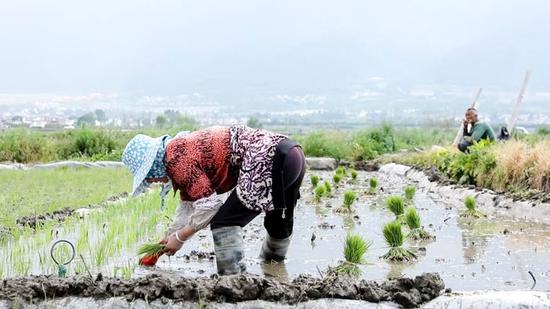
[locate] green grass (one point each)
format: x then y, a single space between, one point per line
34 192
367 144
396 205
113 235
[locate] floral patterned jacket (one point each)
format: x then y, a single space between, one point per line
215 160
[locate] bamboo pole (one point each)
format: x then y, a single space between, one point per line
519 99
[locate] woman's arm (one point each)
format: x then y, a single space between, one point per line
204 210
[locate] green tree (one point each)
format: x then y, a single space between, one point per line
87 119
254 122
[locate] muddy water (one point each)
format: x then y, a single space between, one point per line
496 252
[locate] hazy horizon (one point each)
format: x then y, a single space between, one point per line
248 47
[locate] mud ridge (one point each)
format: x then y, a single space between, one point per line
61 214
407 292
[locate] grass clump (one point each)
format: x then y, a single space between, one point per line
354 250
373 185
410 192
394 237
412 218
396 205
319 193
314 180
471 210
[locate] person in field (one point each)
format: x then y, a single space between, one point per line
262 170
474 130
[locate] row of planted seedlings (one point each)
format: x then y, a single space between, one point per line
406 215
355 246
105 240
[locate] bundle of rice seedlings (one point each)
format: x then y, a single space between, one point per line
409 192
341 171
151 249
373 184
337 178
349 199
354 250
394 238
319 193
412 218
471 210
354 175
328 188
314 180
396 205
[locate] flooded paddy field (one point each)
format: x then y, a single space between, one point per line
492 252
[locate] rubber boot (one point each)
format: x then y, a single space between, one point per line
274 249
229 249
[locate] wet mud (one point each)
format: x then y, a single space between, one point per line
408 292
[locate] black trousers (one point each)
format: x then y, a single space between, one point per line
234 213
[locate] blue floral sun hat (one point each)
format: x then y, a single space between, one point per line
143 156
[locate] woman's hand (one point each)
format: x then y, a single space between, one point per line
172 244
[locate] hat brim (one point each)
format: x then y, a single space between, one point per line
139 184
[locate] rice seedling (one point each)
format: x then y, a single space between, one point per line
314 180
355 248
328 188
396 206
412 218
319 193
151 249
409 193
341 171
373 185
349 199
128 270
471 210
337 178
354 175
394 237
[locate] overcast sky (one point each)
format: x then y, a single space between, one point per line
234 48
